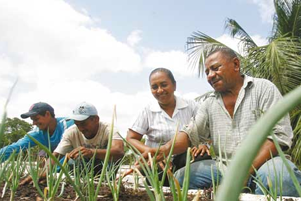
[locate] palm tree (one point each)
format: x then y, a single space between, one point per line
279 61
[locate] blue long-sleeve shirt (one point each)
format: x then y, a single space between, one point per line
40 135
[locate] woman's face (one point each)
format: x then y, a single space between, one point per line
162 88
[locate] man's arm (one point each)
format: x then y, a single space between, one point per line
116 152
23 143
264 154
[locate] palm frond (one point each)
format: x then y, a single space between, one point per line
237 31
296 123
198 47
287 19
278 62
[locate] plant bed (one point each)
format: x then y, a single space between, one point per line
29 192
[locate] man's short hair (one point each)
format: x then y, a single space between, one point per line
228 52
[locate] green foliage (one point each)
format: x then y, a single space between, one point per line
15 129
4 115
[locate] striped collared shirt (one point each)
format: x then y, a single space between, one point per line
213 122
158 126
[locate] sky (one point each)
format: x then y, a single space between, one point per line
66 52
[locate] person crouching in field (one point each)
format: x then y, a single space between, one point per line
87 138
43 117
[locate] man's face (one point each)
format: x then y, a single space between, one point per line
88 127
42 122
221 71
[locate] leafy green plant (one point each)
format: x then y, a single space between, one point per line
51 177
84 178
107 157
151 174
247 152
34 171
14 169
272 191
57 162
53 181
150 170
174 184
17 170
113 182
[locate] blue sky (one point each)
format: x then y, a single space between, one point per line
65 52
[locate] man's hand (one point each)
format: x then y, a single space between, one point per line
201 150
27 180
83 151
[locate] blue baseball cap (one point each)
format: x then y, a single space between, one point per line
82 111
38 108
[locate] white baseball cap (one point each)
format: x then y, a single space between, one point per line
82 111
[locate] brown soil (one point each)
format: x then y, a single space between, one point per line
28 192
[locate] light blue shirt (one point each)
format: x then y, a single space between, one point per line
40 135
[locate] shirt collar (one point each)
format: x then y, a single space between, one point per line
248 83
180 104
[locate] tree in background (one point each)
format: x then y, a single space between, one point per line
14 130
279 61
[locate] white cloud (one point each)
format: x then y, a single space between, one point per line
177 61
56 50
231 42
259 40
64 96
266 9
134 38
234 42
174 60
51 38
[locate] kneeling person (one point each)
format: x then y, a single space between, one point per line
89 137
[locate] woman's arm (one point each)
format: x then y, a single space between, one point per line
134 139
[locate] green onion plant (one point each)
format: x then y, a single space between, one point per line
229 190
57 162
113 182
107 157
17 170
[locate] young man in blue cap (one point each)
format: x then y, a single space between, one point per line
43 117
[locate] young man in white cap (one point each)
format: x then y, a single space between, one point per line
43 117
89 136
